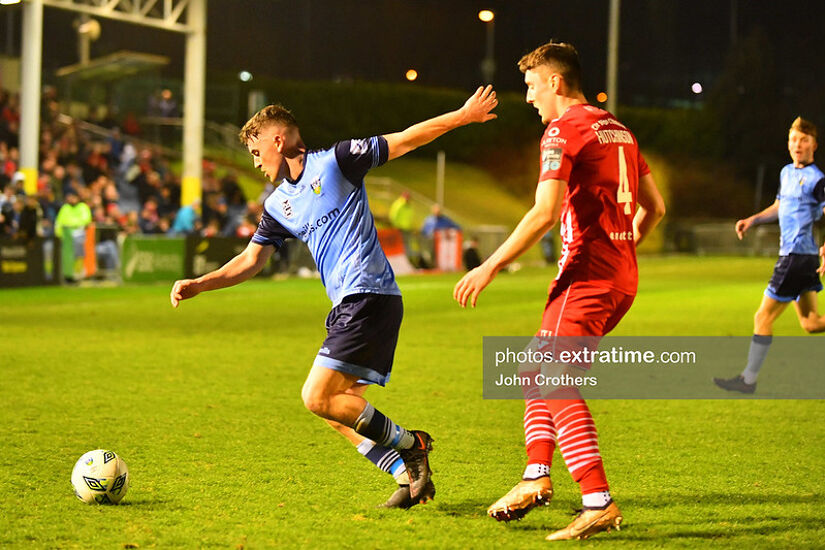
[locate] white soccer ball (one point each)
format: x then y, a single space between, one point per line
100 477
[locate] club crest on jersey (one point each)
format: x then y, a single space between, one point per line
316 186
551 159
286 207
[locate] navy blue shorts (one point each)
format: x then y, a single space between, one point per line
362 332
793 275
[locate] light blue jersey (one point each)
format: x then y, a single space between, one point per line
801 202
327 208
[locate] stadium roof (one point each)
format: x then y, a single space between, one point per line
114 66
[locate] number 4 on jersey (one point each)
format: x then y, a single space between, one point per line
624 195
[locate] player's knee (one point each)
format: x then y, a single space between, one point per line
812 325
762 322
315 401
316 406
758 316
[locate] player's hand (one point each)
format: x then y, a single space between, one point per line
471 285
477 108
742 227
182 290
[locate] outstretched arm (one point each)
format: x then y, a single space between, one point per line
240 268
476 109
770 214
651 208
535 223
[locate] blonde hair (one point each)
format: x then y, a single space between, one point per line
804 126
271 114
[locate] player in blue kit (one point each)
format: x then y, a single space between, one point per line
322 201
799 203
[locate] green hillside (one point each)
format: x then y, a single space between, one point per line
471 194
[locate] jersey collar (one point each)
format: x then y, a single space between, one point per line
303 169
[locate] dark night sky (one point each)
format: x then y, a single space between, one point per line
665 44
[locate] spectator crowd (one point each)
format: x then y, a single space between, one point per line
128 188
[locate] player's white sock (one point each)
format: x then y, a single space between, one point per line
756 356
385 459
403 478
596 500
535 471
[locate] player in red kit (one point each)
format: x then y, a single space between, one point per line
596 183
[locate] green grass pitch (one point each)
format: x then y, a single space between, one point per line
204 405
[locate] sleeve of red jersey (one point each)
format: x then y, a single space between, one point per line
644 169
560 145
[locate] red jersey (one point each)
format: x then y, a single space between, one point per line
599 159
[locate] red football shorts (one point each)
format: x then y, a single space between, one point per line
583 309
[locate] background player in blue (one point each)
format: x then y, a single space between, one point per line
798 205
322 201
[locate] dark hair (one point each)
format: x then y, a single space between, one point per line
271 114
560 57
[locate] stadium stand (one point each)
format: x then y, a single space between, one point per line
126 182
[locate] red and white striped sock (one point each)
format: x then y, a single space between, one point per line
539 438
578 441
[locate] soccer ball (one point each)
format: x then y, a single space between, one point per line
100 477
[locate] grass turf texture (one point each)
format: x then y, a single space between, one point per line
204 405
